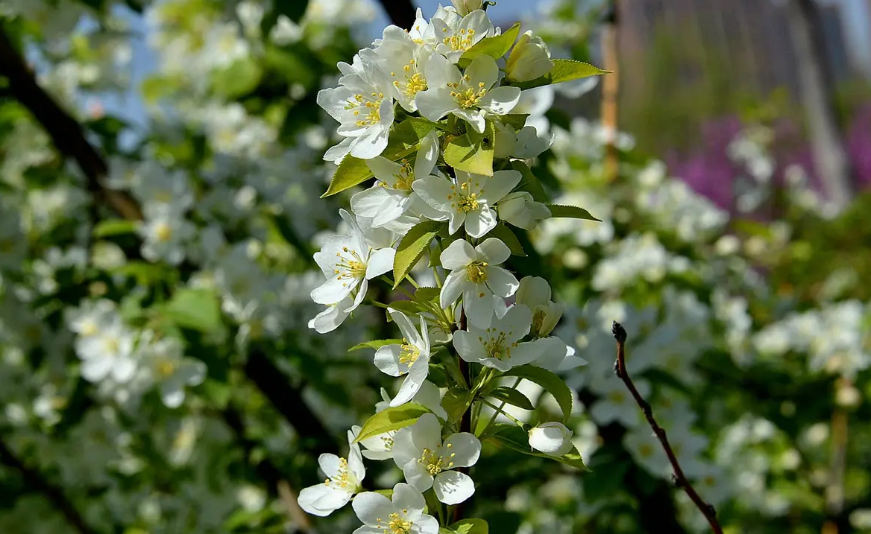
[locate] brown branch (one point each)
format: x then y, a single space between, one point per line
680 479
36 481
400 12
65 132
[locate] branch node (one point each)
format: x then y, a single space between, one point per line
619 332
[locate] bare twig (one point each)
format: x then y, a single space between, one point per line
35 480
680 479
400 12
65 132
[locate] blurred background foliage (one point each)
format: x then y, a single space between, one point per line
742 282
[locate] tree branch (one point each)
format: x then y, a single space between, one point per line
65 132
34 479
680 479
401 12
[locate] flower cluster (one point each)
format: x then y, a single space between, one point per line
427 111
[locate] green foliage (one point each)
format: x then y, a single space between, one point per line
495 47
392 418
472 152
573 212
564 70
511 396
412 247
197 309
506 235
375 344
516 438
467 526
549 381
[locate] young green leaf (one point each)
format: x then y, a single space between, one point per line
564 70
572 212
427 294
197 309
512 396
114 227
472 152
495 47
468 526
455 402
412 246
550 382
391 419
375 344
504 234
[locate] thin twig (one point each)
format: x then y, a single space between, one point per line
400 12
35 480
681 480
65 132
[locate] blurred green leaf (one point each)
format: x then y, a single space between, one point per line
197 309
238 79
112 227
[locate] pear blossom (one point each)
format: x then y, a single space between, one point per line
498 346
344 478
531 141
428 462
411 358
458 33
165 234
392 196
464 7
469 95
475 276
404 59
534 292
552 438
168 367
349 263
529 59
400 514
467 200
521 210
332 316
363 105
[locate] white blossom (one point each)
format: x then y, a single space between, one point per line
401 514
411 358
498 346
344 478
552 438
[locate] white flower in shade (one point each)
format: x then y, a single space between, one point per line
349 263
499 345
428 462
172 371
401 514
109 352
344 478
529 143
411 358
404 60
363 105
553 439
529 59
332 316
470 95
392 195
459 34
556 356
469 199
475 276
165 233
534 292
521 210
616 403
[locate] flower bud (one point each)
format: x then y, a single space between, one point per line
553 439
464 7
534 293
530 59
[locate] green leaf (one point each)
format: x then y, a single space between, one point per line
472 152
411 248
197 309
572 212
114 227
504 234
146 274
386 492
468 526
512 396
515 120
495 47
238 79
517 439
529 182
550 382
427 294
455 402
375 344
408 307
404 140
564 70
391 419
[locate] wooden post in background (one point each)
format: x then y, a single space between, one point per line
611 86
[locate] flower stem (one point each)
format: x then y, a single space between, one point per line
499 410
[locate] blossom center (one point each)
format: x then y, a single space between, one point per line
477 272
496 344
617 397
89 328
396 523
645 450
404 178
414 80
163 232
463 40
408 353
369 107
165 368
343 479
112 344
350 266
467 97
435 463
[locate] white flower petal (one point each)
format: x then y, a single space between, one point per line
460 253
417 475
500 185
334 290
427 432
501 282
478 305
493 251
453 487
453 287
380 262
501 100
387 360
466 448
469 347
371 507
479 222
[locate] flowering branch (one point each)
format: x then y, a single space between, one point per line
681 480
55 495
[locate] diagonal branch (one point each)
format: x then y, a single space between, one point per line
680 479
400 12
36 481
65 132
